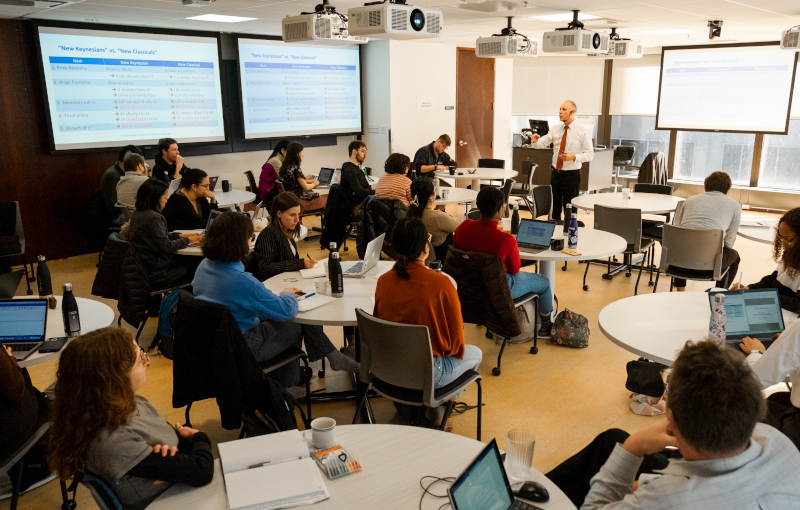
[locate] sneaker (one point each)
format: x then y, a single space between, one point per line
546 329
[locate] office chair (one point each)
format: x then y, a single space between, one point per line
12 239
626 223
692 254
623 155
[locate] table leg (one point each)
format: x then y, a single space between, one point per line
547 268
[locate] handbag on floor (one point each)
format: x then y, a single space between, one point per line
526 318
645 377
570 329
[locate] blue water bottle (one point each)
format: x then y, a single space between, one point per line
573 232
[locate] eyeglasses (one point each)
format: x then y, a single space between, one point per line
203 185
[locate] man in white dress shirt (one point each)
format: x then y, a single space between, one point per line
572 146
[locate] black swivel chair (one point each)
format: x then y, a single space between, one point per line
491 163
623 156
12 238
251 180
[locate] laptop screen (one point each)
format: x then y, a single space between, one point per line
23 319
325 175
535 232
212 215
751 312
483 485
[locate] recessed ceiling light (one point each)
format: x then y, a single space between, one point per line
567 16
669 31
220 18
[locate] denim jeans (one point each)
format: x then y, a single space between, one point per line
522 283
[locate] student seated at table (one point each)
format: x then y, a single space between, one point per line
262 316
189 207
728 459
786 252
294 181
440 225
483 236
101 426
154 244
275 251
413 294
270 172
394 184
136 171
108 184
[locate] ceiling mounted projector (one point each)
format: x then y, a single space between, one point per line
508 43
790 39
395 20
197 3
620 48
324 25
575 39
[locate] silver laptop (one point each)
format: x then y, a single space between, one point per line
23 323
212 215
371 257
484 485
751 312
534 235
325 176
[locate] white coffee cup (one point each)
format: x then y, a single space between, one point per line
323 432
626 192
322 285
505 224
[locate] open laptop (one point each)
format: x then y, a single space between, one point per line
212 183
534 235
371 257
751 312
212 215
325 176
484 485
23 323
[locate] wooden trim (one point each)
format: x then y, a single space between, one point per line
673 142
755 168
604 121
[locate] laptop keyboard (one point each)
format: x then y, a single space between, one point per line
356 269
521 505
22 347
532 248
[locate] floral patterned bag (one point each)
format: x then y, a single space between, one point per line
570 329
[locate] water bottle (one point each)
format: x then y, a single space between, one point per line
436 265
515 220
718 323
337 176
567 216
69 311
335 275
573 231
45 283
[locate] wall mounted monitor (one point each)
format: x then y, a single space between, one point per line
732 88
293 89
107 89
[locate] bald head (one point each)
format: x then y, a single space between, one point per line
566 113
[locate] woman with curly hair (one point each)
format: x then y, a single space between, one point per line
786 252
100 425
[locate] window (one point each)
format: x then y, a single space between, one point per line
639 132
780 159
698 154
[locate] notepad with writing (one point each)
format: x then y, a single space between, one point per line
271 471
315 272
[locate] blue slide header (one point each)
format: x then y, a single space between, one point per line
129 62
260 65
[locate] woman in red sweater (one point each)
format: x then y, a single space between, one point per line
413 294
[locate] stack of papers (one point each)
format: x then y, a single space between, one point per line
758 223
315 272
315 301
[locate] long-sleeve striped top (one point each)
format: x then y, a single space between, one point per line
394 187
274 254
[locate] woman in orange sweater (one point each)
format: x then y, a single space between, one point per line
413 294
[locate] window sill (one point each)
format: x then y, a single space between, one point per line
789 191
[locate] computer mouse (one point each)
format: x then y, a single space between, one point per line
533 491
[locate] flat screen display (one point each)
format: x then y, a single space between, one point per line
107 89
744 88
292 89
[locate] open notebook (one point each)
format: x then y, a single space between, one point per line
271 471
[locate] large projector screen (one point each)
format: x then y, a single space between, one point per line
735 88
107 89
292 89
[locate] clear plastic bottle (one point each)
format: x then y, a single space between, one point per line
718 324
335 276
515 220
69 311
573 232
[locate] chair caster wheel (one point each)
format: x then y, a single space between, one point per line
607 277
489 335
346 248
649 284
321 374
627 275
563 268
534 350
495 371
585 287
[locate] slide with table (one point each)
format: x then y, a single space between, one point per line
292 89
106 89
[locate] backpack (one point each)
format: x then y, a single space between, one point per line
273 413
570 329
166 322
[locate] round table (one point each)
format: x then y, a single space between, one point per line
649 203
456 196
94 315
393 459
486 174
358 293
592 244
233 197
197 251
760 234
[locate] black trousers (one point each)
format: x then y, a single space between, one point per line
784 416
441 250
730 260
574 474
566 185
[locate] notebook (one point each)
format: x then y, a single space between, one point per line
306 303
371 257
270 471
325 176
534 235
315 272
484 485
751 312
23 325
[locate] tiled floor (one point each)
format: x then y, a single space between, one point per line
567 396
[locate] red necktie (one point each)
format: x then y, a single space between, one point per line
560 162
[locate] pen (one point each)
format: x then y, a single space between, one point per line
740 280
273 462
300 298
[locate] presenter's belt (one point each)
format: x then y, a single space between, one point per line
563 169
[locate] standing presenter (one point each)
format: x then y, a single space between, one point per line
572 146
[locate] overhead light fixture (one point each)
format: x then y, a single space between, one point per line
220 18
669 31
567 16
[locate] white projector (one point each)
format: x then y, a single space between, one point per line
197 3
317 27
576 40
621 49
501 46
395 21
790 39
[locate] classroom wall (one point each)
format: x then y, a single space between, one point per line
376 94
541 84
503 77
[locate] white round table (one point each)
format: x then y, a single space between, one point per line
93 314
393 459
233 197
649 203
760 234
358 293
456 196
486 174
592 244
197 251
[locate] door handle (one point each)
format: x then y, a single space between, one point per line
461 143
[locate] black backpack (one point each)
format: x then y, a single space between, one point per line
274 411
